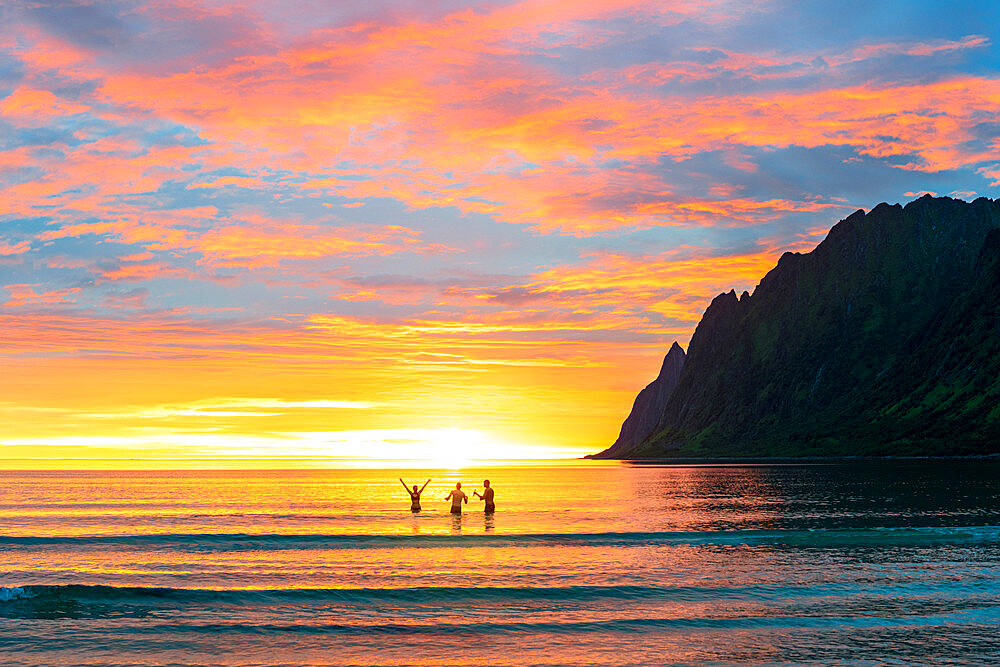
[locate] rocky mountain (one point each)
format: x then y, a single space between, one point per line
649 404
883 340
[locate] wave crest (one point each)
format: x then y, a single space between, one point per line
8 593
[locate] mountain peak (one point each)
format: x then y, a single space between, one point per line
648 405
802 366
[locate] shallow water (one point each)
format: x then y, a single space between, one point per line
583 563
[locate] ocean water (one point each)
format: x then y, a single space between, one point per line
584 563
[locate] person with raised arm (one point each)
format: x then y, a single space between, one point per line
487 497
457 496
414 494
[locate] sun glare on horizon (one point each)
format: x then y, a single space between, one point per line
442 448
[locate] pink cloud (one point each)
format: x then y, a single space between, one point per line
14 248
27 295
254 241
446 112
142 271
910 49
35 108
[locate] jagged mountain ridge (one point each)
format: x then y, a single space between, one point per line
649 404
823 358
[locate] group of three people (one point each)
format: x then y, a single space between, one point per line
457 496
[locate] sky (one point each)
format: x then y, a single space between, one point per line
441 230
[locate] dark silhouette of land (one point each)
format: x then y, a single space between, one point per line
882 341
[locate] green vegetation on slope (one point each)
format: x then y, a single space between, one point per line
883 340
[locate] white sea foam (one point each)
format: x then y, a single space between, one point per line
8 593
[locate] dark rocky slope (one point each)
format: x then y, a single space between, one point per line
649 404
883 340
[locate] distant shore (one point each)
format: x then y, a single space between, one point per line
794 459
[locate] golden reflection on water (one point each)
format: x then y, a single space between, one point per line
311 501
573 501
585 564
586 498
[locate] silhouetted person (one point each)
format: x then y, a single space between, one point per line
457 497
414 494
487 497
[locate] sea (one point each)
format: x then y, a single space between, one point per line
583 563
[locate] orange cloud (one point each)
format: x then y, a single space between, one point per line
622 291
140 271
421 374
35 108
911 49
14 248
991 171
253 241
433 142
444 113
27 295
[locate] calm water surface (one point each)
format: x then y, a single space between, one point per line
583 563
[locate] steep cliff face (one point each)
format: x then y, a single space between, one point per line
877 342
648 406
944 396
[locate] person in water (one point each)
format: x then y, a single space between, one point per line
457 497
486 497
414 494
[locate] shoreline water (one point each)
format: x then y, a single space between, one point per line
713 563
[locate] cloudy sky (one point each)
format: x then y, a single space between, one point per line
432 228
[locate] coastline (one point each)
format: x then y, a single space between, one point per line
790 459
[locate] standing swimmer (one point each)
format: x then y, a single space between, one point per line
457 496
414 494
487 497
